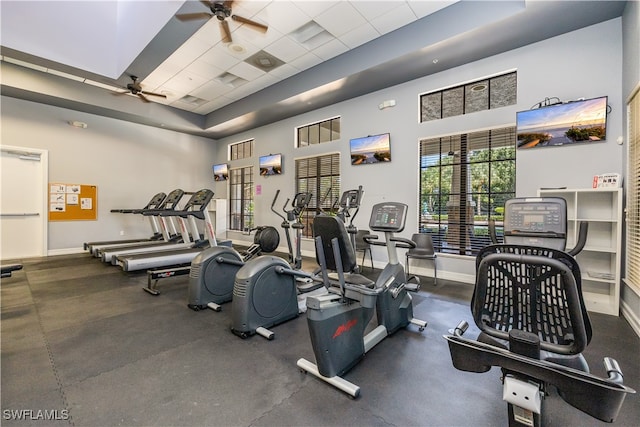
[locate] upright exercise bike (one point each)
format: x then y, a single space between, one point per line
337 320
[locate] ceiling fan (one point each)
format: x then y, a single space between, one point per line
135 88
222 11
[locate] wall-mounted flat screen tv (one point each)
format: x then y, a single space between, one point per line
370 149
270 165
563 124
220 172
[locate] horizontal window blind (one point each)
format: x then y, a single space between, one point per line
321 177
465 181
633 194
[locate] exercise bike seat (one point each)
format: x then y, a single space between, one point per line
329 228
536 290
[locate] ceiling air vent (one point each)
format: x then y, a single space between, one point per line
264 61
231 80
311 35
193 100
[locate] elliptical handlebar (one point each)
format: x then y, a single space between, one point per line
275 198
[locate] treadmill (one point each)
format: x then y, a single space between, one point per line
167 227
176 256
155 203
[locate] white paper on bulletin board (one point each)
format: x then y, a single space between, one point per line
72 199
86 203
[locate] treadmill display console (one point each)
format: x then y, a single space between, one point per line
388 217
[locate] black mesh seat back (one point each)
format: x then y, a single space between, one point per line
533 289
327 228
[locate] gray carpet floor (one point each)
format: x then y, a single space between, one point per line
82 341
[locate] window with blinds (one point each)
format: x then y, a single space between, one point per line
321 177
633 193
241 199
241 150
465 180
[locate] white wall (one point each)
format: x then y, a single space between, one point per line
546 69
127 162
631 80
130 162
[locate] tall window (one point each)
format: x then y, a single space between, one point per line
465 180
633 193
241 198
321 177
485 94
241 150
317 133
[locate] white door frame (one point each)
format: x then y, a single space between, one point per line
44 210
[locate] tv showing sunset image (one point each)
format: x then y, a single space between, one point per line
562 124
370 149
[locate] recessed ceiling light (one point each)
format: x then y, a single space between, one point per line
236 48
479 87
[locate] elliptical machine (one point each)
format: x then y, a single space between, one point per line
534 325
266 289
337 320
213 271
292 220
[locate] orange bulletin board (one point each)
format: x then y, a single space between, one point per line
73 202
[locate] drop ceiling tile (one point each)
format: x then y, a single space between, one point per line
424 8
284 16
359 36
246 71
305 61
184 82
394 19
203 69
253 86
220 57
284 71
286 49
249 9
211 90
190 50
373 9
315 8
340 18
209 32
330 49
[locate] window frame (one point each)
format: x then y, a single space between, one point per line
322 200
465 89
333 131
246 199
457 231
247 150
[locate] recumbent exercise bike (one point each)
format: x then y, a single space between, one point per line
534 325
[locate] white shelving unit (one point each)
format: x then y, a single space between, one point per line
600 259
218 211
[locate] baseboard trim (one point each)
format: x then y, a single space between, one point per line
631 317
66 251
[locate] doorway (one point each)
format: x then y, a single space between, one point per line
23 204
